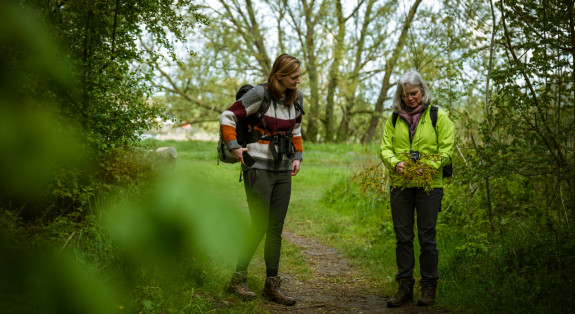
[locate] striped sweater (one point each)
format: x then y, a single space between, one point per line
277 117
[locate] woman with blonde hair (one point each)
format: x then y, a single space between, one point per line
269 160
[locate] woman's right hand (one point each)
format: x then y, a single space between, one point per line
237 153
399 167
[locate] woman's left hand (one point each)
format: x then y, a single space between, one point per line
295 167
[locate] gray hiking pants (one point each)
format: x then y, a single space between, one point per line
268 194
404 204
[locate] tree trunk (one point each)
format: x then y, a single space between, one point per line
261 55
390 65
114 28
334 74
350 90
572 32
489 70
311 19
248 28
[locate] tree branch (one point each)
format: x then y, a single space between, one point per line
527 21
561 158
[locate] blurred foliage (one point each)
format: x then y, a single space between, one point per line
149 254
173 240
178 217
48 282
73 101
37 139
74 97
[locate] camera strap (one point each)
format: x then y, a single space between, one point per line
273 149
278 139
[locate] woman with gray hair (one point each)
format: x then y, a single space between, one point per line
419 137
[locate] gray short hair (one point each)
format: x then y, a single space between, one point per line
414 78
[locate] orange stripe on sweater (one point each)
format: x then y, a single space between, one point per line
297 143
228 132
261 131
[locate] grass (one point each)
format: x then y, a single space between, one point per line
198 160
325 205
174 250
310 215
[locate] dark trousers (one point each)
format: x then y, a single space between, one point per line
404 204
268 194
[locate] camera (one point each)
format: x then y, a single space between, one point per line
285 144
414 155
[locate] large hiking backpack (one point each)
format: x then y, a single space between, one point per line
244 127
447 169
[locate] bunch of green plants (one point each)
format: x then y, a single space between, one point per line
416 173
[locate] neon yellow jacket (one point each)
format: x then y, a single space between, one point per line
395 145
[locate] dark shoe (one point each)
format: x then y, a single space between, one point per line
273 293
404 293
427 293
239 287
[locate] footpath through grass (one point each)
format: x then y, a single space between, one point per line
316 210
173 248
171 245
328 206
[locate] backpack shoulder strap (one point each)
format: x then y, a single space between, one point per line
298 107
259 116
265 102
394 118
433 115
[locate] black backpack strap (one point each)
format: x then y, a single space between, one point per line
259 116
447 169
265 105
273 149
433 115
298 107
394 118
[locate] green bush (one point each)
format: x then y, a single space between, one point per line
526 269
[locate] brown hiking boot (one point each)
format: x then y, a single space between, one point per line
427 293
239 287
273 293
404 293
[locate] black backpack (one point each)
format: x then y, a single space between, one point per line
244 127
447 169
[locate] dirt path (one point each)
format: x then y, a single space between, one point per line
335 286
